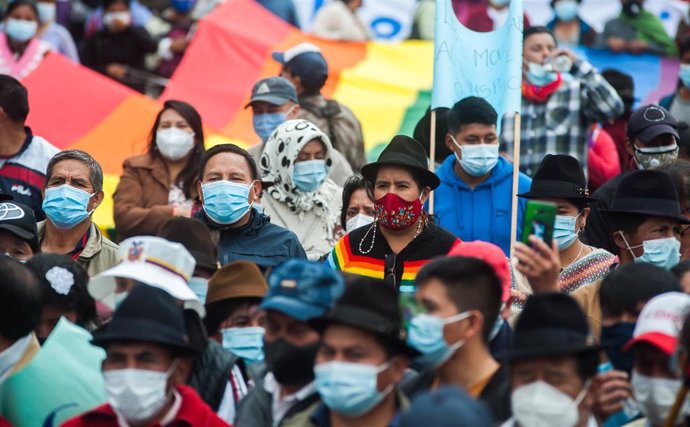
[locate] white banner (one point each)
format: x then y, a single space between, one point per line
392 19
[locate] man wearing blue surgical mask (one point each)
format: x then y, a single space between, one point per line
73 191
474 199
230 189
273 102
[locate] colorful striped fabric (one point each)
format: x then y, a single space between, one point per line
386 85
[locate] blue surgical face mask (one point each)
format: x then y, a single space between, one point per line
538 75
477 159
247 343
309 175
66 206
199 286
425 334
684 74
119 297
564 231
20 30
265 124
349 389
566 10
46 11
664 253
225 202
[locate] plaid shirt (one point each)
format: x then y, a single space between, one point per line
560 125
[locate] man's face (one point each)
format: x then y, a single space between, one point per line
663 140
15 246
399 181
472 134
294 79
263 107
559 372
295 332
137 355
341 343
77 175
230 167
653 228
537 48
652 361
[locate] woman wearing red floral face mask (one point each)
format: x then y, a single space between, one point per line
402 238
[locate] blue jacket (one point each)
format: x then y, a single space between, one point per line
482 213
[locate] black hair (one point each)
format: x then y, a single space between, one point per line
684 45
679 171
20 300
229 148
14 99
627 286
108 3
627 223
353 183
624 85
189 174
196 330
18 3
468 111
218 311
538 29
422 132
680 269
471 284
76 299
587 365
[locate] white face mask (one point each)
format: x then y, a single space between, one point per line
137 394
656 396
539 404
357 221
174 143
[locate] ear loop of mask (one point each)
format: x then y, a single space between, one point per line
627 245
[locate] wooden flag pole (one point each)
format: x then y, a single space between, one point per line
516 177
432 156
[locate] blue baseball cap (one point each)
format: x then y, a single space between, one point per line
448 406
305 61
302 289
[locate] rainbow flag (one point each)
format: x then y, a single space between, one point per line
387 85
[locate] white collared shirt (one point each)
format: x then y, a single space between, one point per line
279 406
12 354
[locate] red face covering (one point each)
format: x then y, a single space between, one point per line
395 213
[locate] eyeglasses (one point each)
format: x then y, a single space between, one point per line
389 269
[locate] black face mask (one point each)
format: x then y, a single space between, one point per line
632 8
291 365
613 338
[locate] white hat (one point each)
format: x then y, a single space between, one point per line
154 261
661 320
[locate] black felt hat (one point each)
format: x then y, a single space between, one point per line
406 152
649 193
195 237
551 325
372 306
149 315
559 176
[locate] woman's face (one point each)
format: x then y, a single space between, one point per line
50 316
118 6
399 181
171 118
360 203
313 150
23 13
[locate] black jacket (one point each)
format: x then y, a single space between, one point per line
210 373
597 233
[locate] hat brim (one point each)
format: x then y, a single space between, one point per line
664 342
430 179
547 195
30 237
530 353
680 218
204 260
271 99
291 307
652 132
279 56
102 287
141 330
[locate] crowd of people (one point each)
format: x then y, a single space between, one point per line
297 284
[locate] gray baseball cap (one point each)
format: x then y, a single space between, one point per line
274 90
